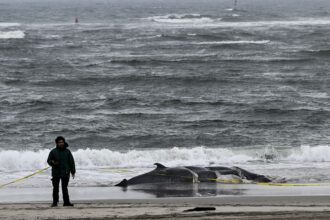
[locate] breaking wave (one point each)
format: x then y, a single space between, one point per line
305 22
311 154
233 42
5 25
201 156
198 19
12 35
321 53
182 18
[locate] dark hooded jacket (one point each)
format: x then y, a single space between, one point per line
64 162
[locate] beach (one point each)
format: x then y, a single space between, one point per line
242 207
197 84
242 85
141 202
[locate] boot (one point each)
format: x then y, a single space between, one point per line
68 204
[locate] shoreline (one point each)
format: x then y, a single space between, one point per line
267 200
163 191
226 207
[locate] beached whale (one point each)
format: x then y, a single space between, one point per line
192 174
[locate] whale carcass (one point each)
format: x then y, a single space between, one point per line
193 174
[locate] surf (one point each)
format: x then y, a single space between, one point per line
12 34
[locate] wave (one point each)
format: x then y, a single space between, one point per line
182 102
174 102
291 111
12 35
87 158
67 24
220 22
128 78
232 42
22 160
322 52
310 154
201 156
159 59
315 95
145 37
280 23
182 18
5 25
175 41
306 22
270 60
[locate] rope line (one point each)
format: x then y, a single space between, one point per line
118 170
39 171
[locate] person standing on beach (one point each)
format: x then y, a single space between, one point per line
62 163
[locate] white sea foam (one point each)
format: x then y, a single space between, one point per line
87 158
233 42
311 154
210 22
202 156
22 160
181 18
4 25
305 22
294 165
316 95
282 23
12 34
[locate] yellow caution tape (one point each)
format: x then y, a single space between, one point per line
226 181
279 184
25 177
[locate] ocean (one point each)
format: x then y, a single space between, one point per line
176 82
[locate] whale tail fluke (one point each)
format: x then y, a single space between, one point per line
123 183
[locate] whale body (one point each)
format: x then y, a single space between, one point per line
191 174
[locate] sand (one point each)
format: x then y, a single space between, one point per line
231 201
231 207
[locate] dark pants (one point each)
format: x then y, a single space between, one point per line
56 184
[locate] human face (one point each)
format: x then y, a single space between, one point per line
60 143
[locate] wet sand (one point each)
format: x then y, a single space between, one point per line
236 207
231 201
144 191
